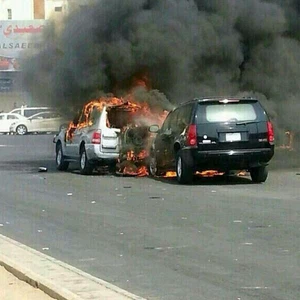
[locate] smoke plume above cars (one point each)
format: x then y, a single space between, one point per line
180 48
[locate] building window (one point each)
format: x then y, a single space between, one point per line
9 14
58 9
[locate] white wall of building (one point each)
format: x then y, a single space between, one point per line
21 9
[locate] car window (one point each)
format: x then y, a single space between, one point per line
184 117
53 115
2 117
166 124
173 121
16 111
231 112
11 117
39 116
30 112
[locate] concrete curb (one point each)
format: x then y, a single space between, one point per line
55 278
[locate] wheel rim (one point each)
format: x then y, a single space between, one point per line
179 167
153 166
21 130
59 157
82 160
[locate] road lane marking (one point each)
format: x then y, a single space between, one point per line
87 259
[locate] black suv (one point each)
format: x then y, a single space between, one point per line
222 134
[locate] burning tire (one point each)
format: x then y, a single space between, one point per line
61 163
86 168
259 175
184 171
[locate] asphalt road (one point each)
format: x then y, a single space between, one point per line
217 239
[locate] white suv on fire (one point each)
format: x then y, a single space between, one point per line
93 143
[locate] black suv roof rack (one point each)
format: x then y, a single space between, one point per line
222 97
217 98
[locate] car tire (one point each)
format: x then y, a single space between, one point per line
154 171
21 130
259 174
184 170
61 163
86 168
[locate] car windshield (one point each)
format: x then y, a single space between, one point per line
230 112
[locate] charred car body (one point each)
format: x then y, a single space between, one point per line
222 134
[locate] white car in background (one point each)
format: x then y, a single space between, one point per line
7 119
28 111
48 121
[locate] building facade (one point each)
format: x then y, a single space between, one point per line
32 9
21 26
38 9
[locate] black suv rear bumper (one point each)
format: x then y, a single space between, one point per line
231 159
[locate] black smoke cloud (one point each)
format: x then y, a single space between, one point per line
186 48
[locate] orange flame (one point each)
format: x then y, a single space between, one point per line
209 173
170 174
140 113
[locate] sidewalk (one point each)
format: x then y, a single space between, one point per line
56 278
11 288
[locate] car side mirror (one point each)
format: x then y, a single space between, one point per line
153 128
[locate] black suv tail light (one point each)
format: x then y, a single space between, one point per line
270 132
191 138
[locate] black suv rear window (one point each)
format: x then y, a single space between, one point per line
229 112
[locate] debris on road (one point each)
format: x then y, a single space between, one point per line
43 169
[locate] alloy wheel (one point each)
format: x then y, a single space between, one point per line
21 130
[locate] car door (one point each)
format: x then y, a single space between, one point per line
52 121
10 120
73 145
37 123
229 126
164 141
3 123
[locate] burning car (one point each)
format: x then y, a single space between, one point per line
110 131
